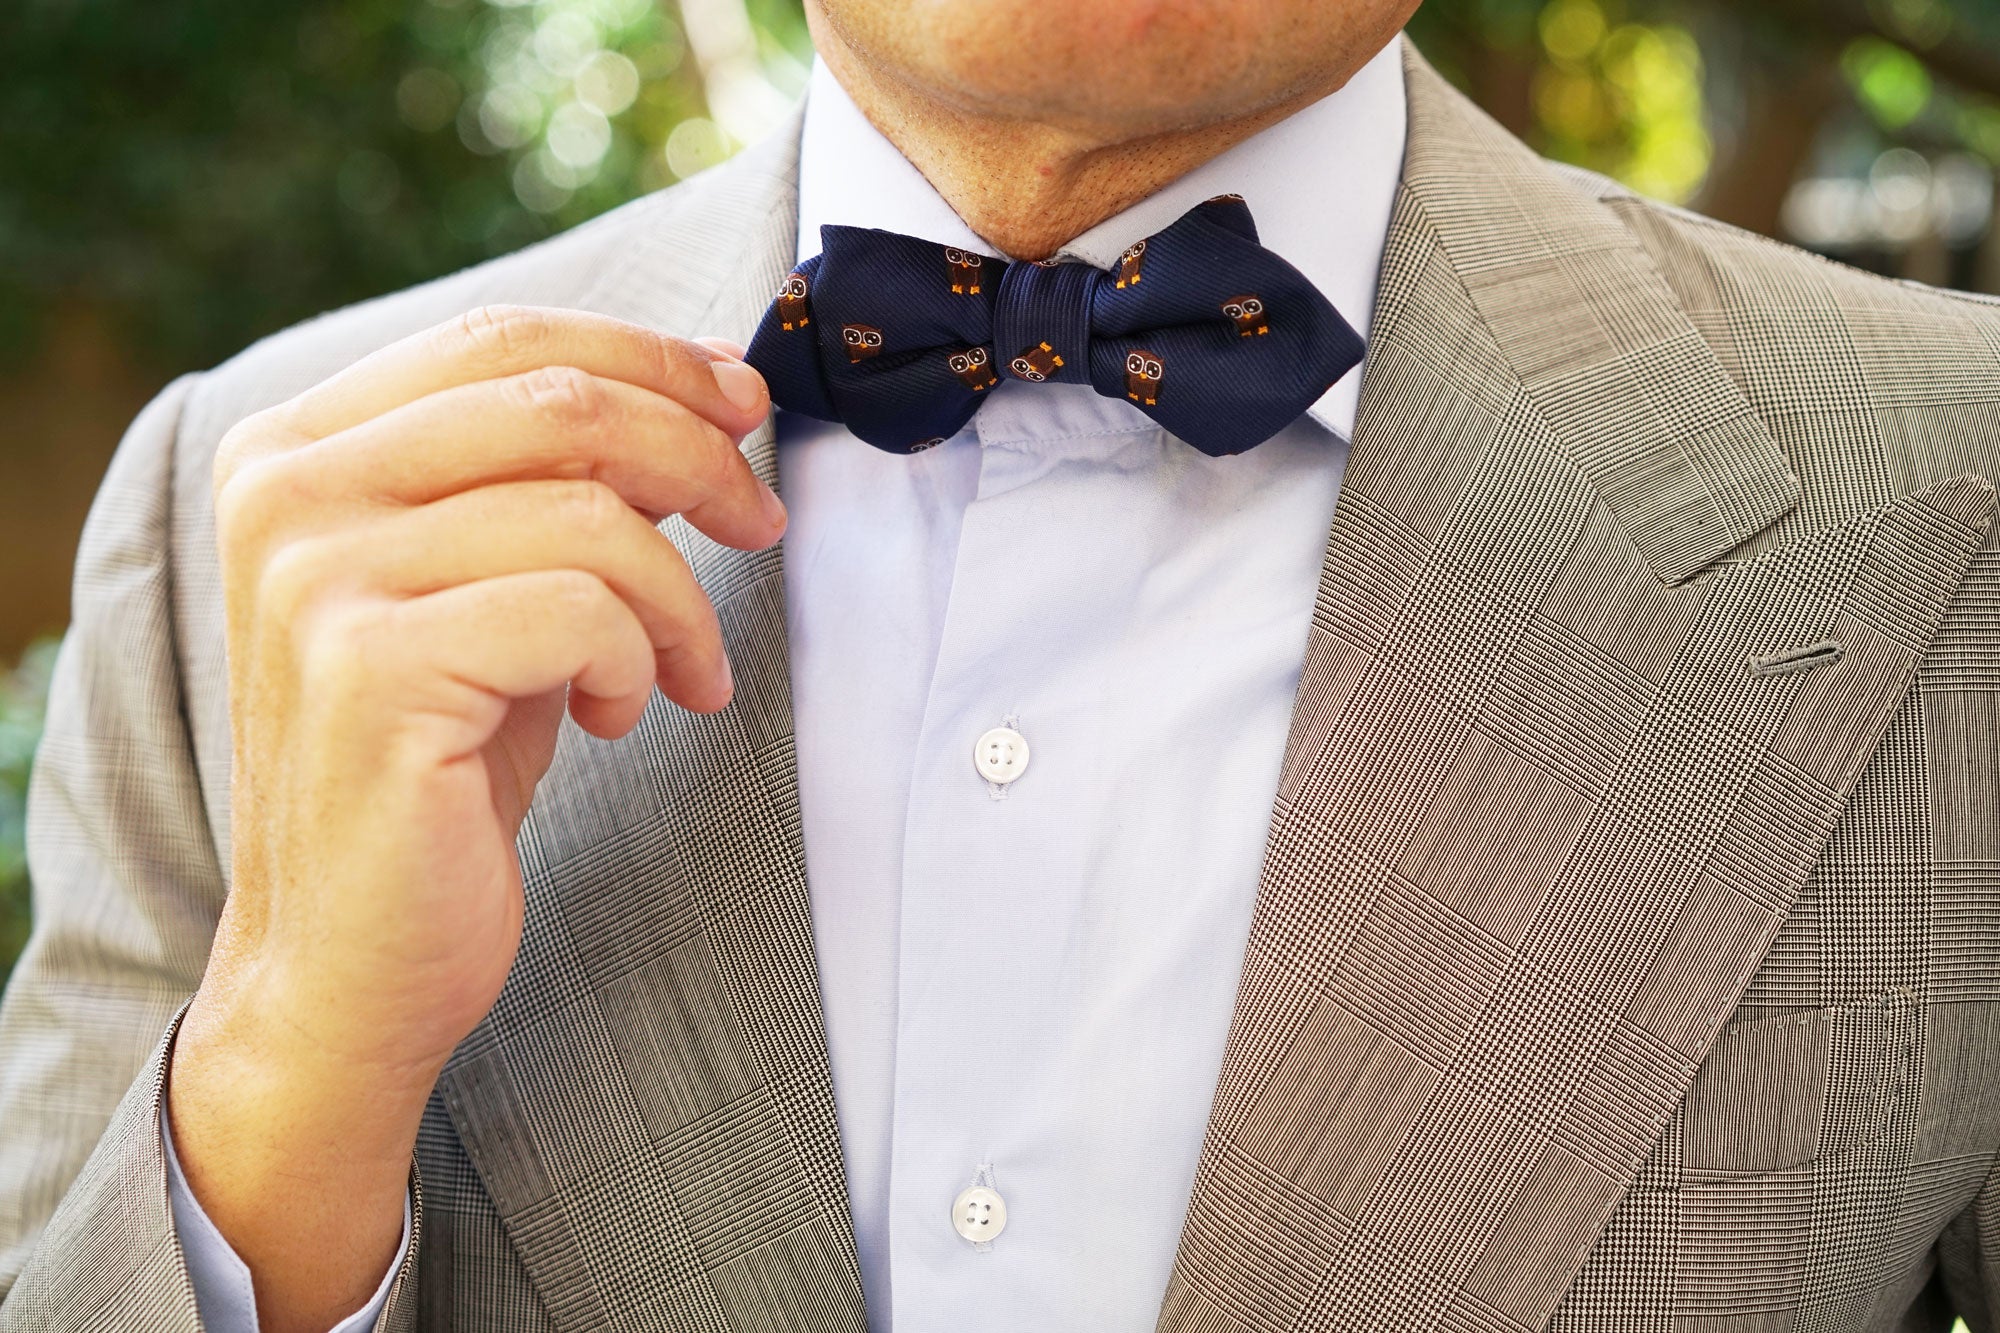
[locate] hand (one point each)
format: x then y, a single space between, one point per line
425 559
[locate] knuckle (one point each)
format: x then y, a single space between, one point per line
579 588
249 503
343 649
677 360
242 445
578 594
563 394
712 459
593 508
496 335
230 453
291 579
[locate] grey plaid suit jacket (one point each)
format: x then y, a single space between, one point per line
1627 953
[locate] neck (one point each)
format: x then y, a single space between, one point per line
1028 187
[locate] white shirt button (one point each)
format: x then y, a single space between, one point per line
979 1214
1001 755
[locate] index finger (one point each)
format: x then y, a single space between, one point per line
493 342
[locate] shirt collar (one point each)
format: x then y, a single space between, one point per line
1320 183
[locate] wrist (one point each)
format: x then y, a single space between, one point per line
248 1080
298 1159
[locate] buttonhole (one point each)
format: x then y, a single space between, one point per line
1823 653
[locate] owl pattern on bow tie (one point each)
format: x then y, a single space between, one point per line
1248 313
861 340
965 267
974 368
794 312
1143 371
1036 363
1129 265
916 377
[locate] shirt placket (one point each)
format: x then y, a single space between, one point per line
987 905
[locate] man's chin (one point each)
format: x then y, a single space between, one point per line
1116 70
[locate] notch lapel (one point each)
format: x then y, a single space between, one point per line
649 1104
1542 811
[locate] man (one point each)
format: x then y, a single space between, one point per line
1516 849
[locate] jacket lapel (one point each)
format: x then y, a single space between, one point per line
649 1105
1555 776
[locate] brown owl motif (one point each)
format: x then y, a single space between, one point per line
862 340
974 367
1037 363
921 445
964 270
1128 265
1248 312
1231 198
1142 376
792 310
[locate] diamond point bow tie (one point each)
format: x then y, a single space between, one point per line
1203 329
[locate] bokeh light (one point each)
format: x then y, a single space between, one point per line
565 89
1622 97
1891 83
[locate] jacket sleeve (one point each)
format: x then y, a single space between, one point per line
127 890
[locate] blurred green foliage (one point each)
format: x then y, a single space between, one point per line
1679 97
206 171
23 691
1612 86
210 170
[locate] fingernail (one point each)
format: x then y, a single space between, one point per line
728 678
740 384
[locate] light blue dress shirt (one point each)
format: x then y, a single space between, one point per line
1028 985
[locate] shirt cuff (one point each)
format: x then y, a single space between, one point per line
223 1292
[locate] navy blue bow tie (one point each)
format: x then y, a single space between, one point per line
1211 335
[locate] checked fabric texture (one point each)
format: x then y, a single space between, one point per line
1211 335
1627 952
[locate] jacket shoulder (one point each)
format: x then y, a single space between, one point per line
1874 387
1804 332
